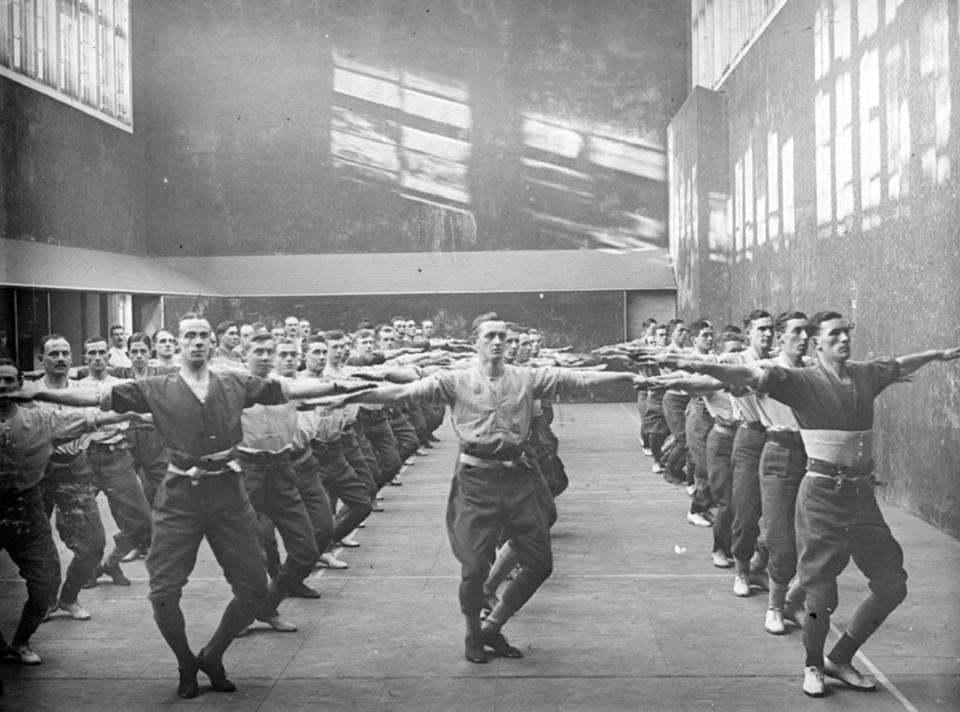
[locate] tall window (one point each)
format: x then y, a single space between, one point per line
77 51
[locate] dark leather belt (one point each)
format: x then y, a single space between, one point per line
62 458
508 455
830 469
789 439
298 458
321 448
754 425
107 447
205 464
263 456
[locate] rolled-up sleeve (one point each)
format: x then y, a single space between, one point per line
547 380
883 372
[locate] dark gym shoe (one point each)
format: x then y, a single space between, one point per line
115 573
301 590
499 644
188 687
213 669
473 649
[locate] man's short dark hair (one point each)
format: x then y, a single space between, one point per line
261 337
363 334
51 337
364 323
115 327
780 323
487 316
755 315
92 340
317 339
140 337
813 326
699 325
224 326
334 335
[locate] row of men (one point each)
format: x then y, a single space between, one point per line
778 444
295 462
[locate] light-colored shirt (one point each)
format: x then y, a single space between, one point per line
27 437
492 415
71 447
114 433
269 428
745 406
118 358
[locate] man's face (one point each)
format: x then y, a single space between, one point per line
230 338
491 339
195 341
680 335
95 357
287 359
260 357
400 327
166 344
510 346
246 331
291 327
57 357
536 341
833 340
365 344
703 341
316 358
117 336
9 379
761 335
795 339
427 329
388 339
524 348
411 327
336 350
660 337
304 327
278 332
139 354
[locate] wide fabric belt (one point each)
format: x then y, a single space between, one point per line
263 455
110 447
789 439
216 463
486 463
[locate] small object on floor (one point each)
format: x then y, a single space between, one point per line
698 520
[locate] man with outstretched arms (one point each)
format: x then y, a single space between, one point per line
493 488
108 454
198 415
837 516
28 435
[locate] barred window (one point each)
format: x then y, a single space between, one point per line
76 51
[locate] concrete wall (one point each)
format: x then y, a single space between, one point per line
67 178
873 227
371 126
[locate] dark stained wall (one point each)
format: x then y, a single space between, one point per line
886 250
291 127
67 178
